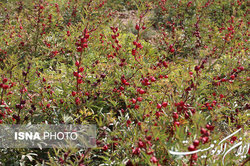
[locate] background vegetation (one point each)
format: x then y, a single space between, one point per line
153 75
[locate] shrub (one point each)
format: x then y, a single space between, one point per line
73 62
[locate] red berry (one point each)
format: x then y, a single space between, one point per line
158 106
177 124
203 131
48 105
75 73
141 91
79 49
139 99
172 50
196 143
165 64
77 63
137 27
61 101
73 93
105 148
175 115
153 159
191 148
153 79
241 68
133 101
194 156
164 104
44 80
5 80
81 69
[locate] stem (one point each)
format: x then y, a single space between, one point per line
21 97
37 30
248 159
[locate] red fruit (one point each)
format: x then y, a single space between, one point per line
86 36
75 73
143 27
137 27
158 106
61 101
197 68
157 114
133 101
209 127
153 79
77 63
223 80
136 151
142 91
44 80
73 93
233 138
122 88
77 100
177 124
133 51
79 49
149 137
164 104
241 68
139 45
191 148
128 122
196 143
165 64
194 157
232 77
137 106
81 69
5 80
48 105
175 115
105 148
140 144
203 131
204 140
139 99
79 81
153 159
5 86
172 50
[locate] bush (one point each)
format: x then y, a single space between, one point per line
74 62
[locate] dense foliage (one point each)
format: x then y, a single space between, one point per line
153 75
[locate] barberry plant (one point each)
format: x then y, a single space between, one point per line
153 75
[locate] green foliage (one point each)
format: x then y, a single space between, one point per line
188 59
